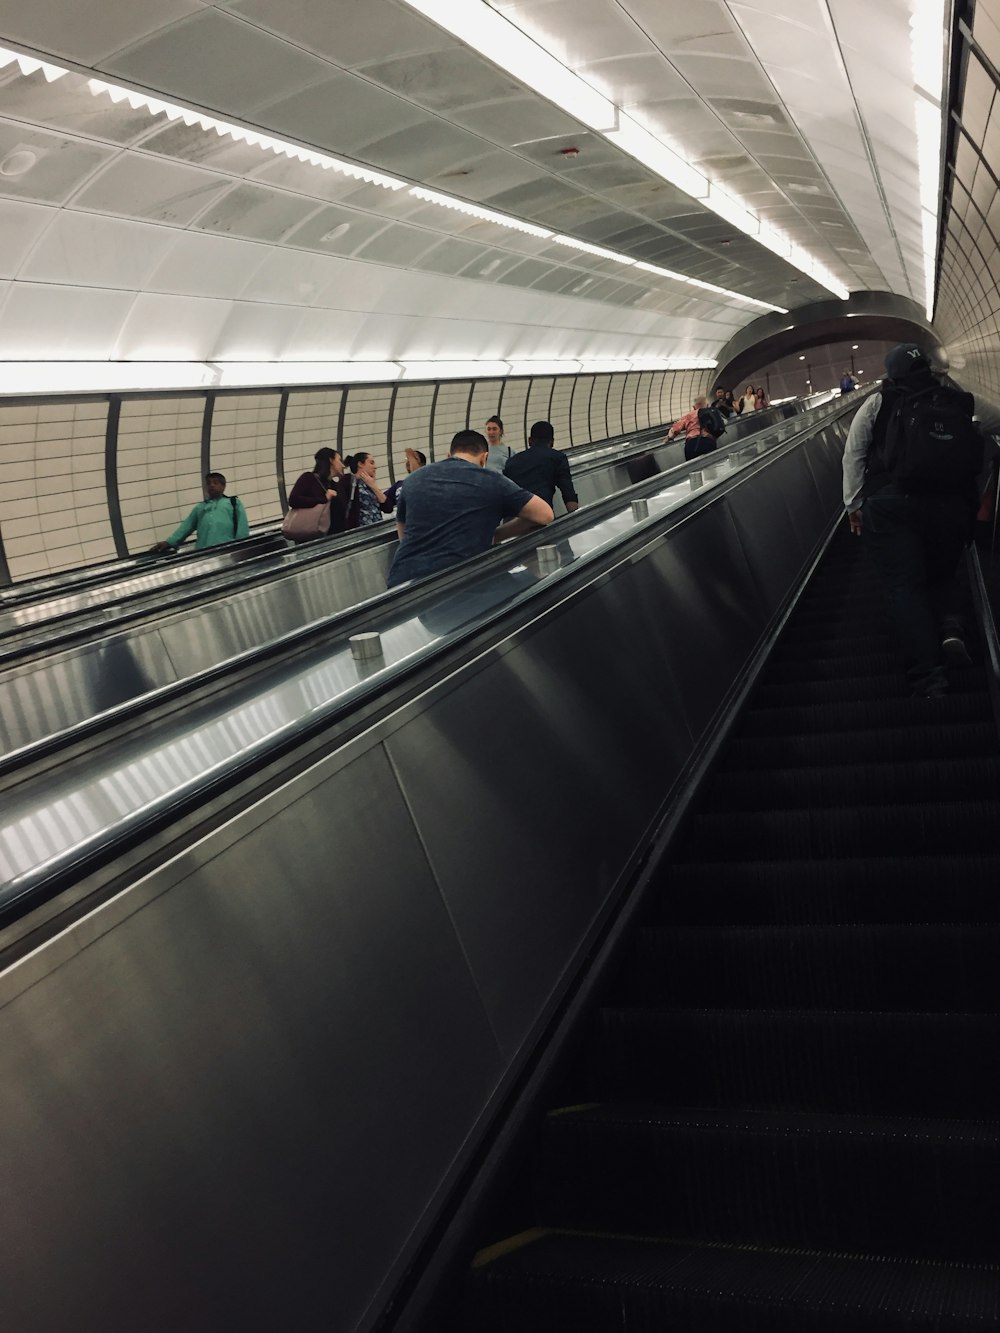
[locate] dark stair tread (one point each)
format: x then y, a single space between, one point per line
876 967
866 713
920 737
860 1061
931 1129
888 1185
574 1283
891 828
975 777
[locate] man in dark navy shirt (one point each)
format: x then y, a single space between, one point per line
454 509
541 468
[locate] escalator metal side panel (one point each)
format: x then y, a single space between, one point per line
235 1094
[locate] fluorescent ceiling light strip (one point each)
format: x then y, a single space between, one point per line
30 64
589 249
240 134
479 26
54 377
927 54
710 287
494 36
475 211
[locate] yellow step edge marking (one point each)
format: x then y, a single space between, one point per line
508 1246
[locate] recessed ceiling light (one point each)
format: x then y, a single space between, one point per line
796 188
340 230
491 267
18 162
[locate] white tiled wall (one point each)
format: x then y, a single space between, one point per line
159 465
538 400
310 425
642 399
599 407
515 400
559 412
410 423
244 431
583 388
485 403
366 426
53 503
616 390
451 414
53 498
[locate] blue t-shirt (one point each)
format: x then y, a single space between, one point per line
451 510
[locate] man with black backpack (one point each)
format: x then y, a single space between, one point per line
911 464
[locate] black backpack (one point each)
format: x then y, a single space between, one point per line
711 419
931 445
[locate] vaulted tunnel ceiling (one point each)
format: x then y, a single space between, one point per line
125 234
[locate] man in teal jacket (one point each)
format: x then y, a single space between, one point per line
218 519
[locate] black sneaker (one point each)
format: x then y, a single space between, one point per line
955 652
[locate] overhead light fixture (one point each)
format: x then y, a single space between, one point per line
31 65
544 367
475 211
927 54
589 249
479 26
241 134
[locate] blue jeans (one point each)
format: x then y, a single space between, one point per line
916 543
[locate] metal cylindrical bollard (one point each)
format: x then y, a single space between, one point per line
696 479
640 510
365 647
549 559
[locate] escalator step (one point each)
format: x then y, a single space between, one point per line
867 1185
872 783
597 1284
919 828
865 713
884 744
857 687
866 967
893 889
850 1062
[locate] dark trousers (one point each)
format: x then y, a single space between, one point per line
916 542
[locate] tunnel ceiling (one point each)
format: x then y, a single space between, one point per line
127 234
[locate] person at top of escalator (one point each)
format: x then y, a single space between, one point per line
218 518
499 453
327 481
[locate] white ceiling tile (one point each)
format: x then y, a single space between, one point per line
171 328
216 60
57 164
137 186
21 224
256 213
91 250
344 32
87 30
42 321
199 264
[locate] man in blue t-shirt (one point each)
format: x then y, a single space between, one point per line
454 509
